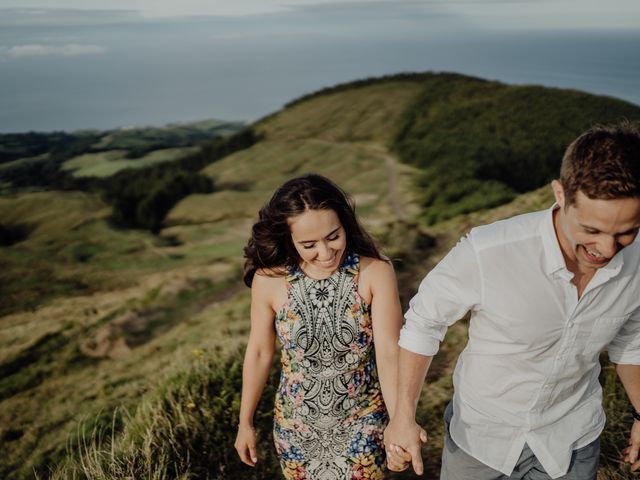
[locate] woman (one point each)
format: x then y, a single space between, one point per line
320 285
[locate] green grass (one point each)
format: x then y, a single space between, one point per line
105 164
20 161
368 113
75 277
171 435
481 143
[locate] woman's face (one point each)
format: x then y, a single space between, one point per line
320 240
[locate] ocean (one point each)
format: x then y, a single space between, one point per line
112 73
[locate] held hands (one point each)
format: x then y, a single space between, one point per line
403 441
246 445
630 454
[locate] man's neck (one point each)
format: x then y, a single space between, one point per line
582 274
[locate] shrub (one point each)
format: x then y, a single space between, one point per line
186 430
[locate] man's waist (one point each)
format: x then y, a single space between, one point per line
512 414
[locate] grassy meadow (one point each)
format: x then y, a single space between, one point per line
120 349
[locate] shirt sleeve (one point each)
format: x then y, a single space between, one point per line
445 295
625 347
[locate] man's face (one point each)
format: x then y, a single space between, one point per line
591 232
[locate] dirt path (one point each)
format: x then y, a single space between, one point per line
394 197
391 163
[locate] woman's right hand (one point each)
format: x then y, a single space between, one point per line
246 445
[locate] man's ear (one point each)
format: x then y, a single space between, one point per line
558 193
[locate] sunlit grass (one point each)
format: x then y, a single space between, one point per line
105 164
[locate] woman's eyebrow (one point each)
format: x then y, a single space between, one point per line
333 232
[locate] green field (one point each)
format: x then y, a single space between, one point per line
120 349
105 164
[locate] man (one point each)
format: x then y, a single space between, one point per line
547 291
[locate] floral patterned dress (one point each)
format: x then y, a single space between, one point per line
329 412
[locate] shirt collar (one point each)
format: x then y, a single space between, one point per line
553 258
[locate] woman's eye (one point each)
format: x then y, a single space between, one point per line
308 247
333 238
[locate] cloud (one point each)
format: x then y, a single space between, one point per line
41 17
35 50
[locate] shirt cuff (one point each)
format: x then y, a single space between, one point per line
420 343
622 357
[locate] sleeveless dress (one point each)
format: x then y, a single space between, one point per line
329 412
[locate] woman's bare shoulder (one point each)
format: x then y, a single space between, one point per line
269 285
376 266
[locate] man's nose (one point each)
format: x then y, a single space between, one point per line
608 246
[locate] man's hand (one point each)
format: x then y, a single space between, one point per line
403 440
630 454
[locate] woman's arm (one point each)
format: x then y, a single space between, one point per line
257 363
386 319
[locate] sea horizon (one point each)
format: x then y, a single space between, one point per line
112 73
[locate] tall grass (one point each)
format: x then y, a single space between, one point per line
184 430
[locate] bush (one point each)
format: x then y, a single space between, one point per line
480 143
141 198
186 430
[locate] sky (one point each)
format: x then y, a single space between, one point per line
624 14
71 64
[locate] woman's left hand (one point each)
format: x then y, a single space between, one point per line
398 459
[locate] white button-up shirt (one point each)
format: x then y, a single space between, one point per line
529 373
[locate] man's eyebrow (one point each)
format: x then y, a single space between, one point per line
332 232
589 227
626 232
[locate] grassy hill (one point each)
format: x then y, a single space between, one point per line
122 347
38 160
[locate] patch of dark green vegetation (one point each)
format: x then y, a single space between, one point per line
42 173
31 366
84 251
29 280
141 198
481 143
140 141
10 234
44 153
32 144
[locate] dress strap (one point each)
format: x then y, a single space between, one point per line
351 264
294 272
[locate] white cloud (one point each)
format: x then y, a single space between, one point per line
35 50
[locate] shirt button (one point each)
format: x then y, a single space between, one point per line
571 324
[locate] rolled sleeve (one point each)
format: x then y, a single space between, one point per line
625 347
445 295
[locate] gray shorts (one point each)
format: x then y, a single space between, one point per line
458 465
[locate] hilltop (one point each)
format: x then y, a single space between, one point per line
122 288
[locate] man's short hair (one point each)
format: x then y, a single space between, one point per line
603 163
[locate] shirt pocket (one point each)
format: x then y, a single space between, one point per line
604 331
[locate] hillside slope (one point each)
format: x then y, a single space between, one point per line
96 317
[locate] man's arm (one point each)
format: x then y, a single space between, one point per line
630 378
447 293
403 430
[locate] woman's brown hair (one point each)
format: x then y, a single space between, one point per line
270 246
